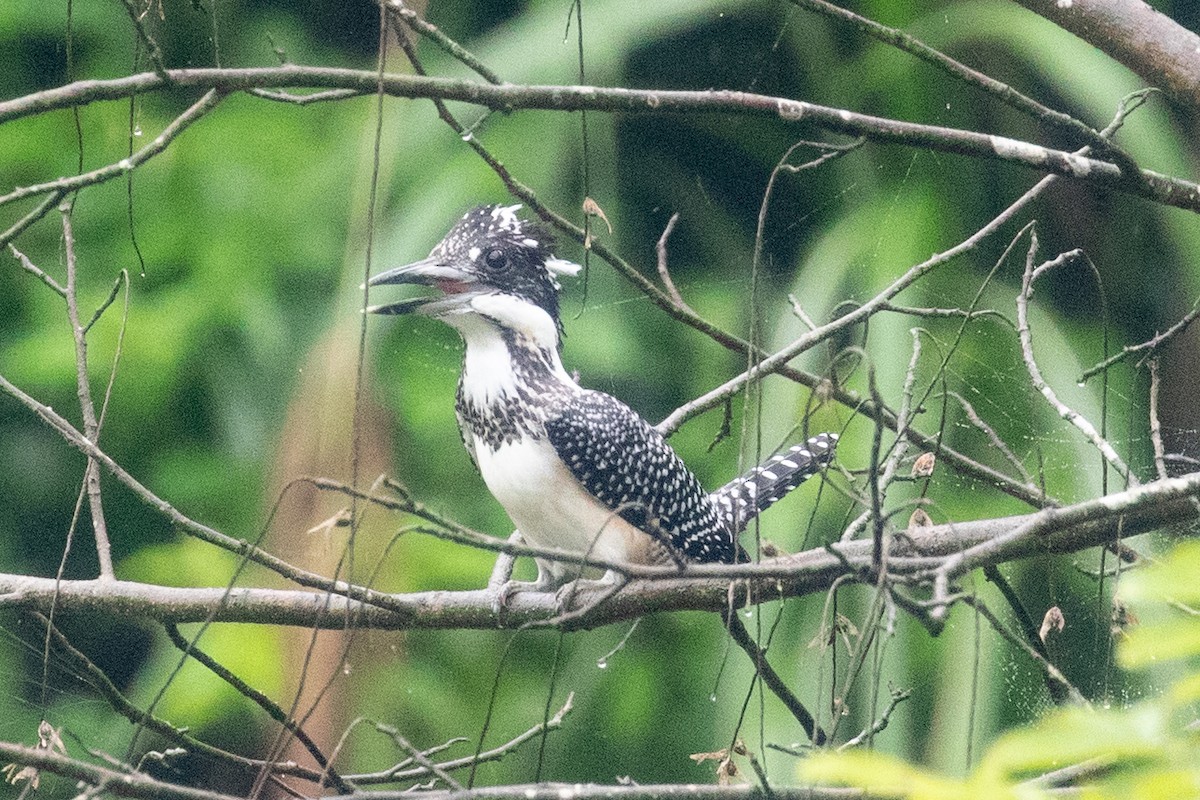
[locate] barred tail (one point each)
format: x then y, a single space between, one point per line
756 491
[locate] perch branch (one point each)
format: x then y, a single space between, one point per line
949 550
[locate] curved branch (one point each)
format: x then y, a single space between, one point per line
1152 185
1163 52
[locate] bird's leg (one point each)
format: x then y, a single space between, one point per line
502 570
503 587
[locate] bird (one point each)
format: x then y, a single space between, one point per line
575 469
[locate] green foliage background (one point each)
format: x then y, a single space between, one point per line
242 344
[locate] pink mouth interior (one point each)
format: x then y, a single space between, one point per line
452 286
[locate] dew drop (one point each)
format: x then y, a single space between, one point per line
712 698
137 130
346 668
602 663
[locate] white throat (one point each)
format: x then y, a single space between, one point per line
492 372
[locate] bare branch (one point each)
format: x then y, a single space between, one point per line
37 271
949 549
1150 345
438 37
993 437
962 72
663 272
773 362
1160 50
1160 464
121 784
1052 672
404 770
1035 374
157 145
91 475
1151 185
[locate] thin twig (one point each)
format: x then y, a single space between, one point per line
993 437
39 211
125 165
898 697
663 272
770 677
1052 672
156 56
101 682
438 37
1035 374
418 756
37 271
773 362
944 313
258 698
1160 464
403 771
1002 91
1150 345
91 427
306 99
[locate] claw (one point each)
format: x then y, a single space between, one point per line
506 590
565 596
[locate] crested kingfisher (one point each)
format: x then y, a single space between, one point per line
576 469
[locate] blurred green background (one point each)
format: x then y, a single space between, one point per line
239 364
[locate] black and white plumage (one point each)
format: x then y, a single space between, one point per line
575 469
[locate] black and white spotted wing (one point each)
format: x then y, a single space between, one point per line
623 462
740 500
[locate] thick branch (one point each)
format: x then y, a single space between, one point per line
948 549
629 791
1155 186
1160 50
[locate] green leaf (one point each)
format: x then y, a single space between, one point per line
880 776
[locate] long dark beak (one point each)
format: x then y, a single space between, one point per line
426 272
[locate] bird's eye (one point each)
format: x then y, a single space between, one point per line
496 260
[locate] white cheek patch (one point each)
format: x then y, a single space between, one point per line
521 316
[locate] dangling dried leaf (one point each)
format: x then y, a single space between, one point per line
50 739
824 391
593 209
727 771
919 519
716 755
923 466
1122 617
1053 622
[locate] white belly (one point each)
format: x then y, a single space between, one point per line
551 508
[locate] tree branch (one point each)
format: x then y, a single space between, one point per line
508 97
1160 50
941 552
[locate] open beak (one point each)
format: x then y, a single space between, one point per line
454 284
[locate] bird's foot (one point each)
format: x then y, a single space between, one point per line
504 592
607 586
